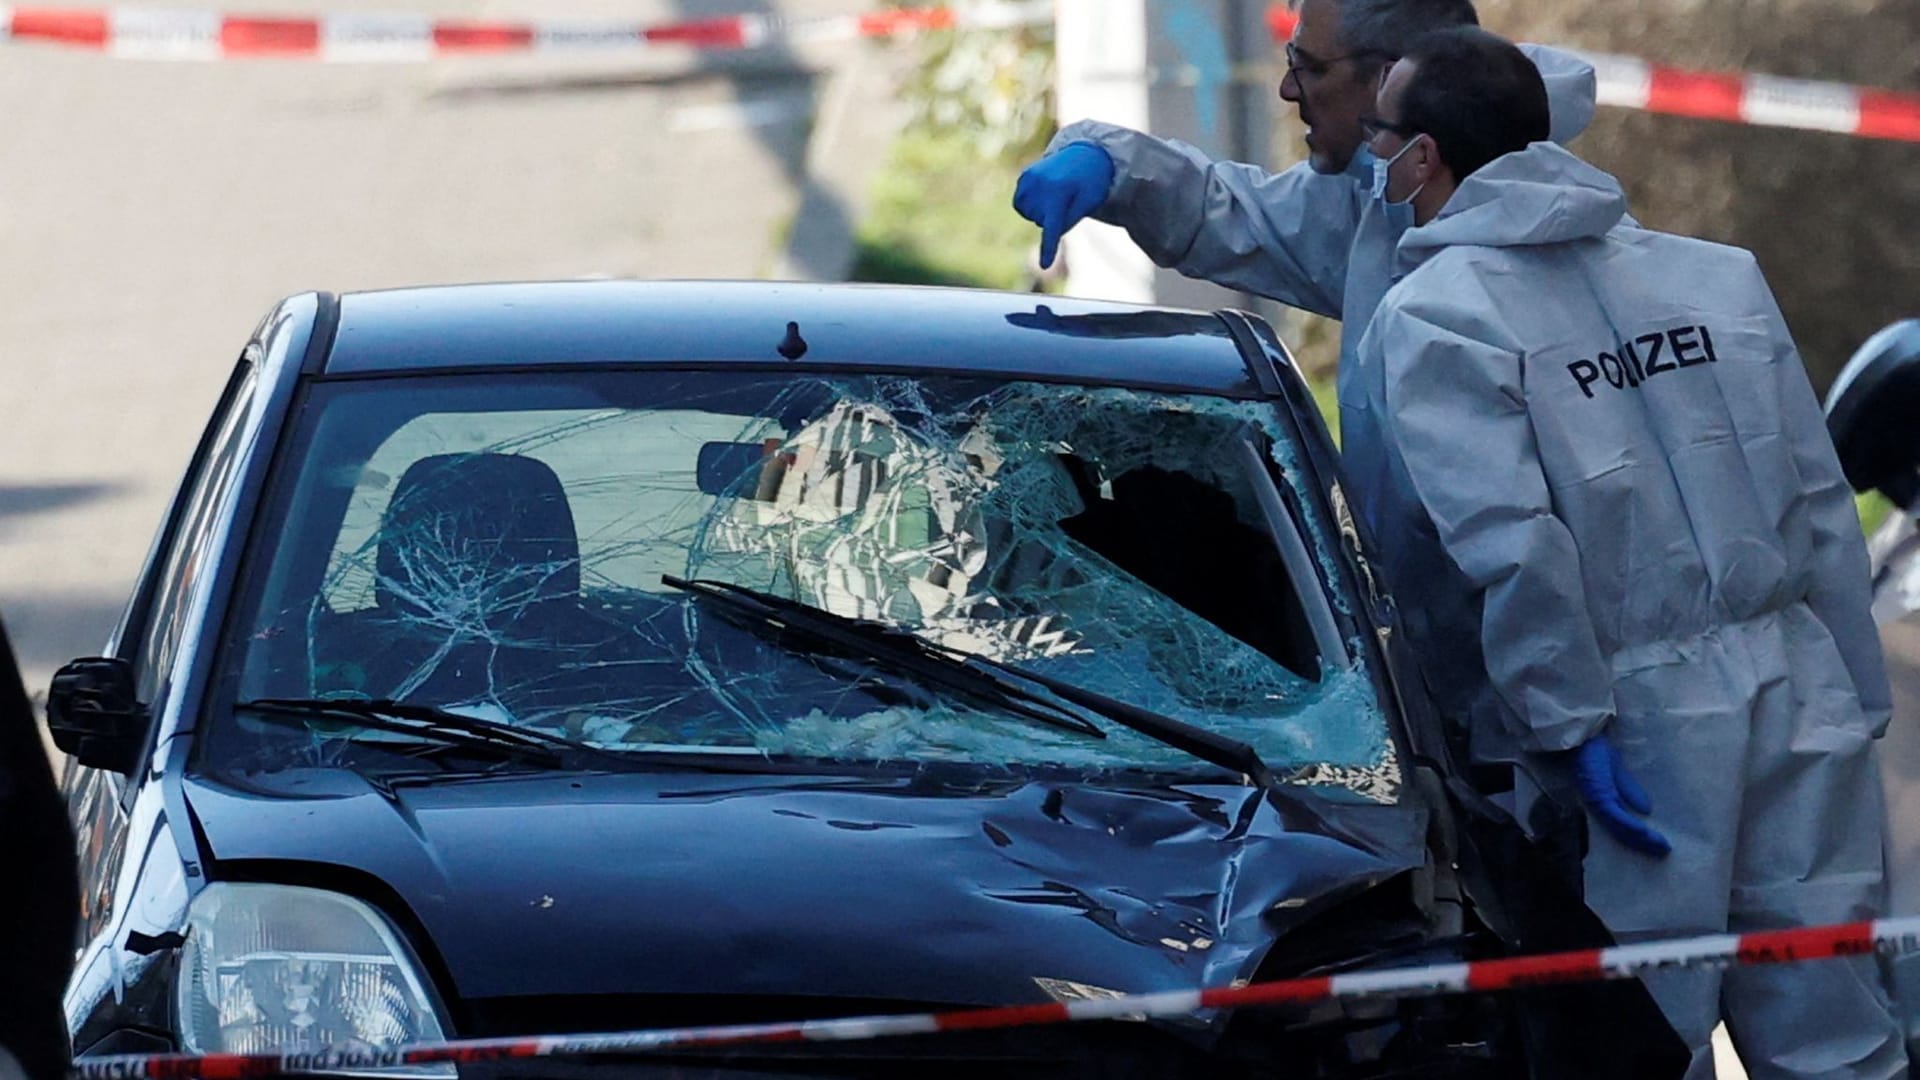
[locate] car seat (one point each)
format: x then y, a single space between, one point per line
481 540
478 563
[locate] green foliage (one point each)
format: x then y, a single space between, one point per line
939 216
1873 508
941 212
1323 396
991 89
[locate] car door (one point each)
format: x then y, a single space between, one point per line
148 636
101 802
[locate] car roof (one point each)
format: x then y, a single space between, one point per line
874 327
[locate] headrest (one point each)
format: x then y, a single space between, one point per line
476 537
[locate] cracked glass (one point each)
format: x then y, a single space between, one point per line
496 546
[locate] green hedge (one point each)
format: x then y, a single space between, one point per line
942 216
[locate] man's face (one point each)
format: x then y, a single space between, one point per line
1332 86
1387 134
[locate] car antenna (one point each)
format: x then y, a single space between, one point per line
794 346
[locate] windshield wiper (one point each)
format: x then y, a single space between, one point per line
1208 746
869 642
443 725
904 648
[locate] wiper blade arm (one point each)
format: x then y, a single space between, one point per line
1208 746
905 651
411 718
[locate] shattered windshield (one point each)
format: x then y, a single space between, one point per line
496 546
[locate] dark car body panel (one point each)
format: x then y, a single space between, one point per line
846 328
662 884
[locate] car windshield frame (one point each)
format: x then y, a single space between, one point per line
262 550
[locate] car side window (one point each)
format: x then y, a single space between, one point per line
158 625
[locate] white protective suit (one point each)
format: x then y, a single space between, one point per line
1603 451
1311 241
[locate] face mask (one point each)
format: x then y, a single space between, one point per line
1381 169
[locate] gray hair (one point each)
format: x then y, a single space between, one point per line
1385 29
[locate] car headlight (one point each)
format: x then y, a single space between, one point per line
274 968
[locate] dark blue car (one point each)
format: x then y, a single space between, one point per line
590 657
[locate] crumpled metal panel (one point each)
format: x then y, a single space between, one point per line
918 890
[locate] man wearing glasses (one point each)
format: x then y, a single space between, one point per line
1315 236
1603 455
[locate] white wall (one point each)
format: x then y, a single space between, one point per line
1101 64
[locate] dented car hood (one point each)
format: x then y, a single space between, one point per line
876 888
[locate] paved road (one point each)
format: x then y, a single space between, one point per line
151 212
1900 765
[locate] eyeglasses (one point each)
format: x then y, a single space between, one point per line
1298 64
1372 126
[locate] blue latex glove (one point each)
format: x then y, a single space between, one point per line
1615 797
1060 189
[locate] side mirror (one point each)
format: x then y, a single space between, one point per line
1871 414
92 714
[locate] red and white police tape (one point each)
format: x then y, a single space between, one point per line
176 34
1890 936
180 34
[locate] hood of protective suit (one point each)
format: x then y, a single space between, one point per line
1571 90
1540 195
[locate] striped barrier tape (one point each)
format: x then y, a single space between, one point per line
170 34
177 34
1758 100
1891 936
